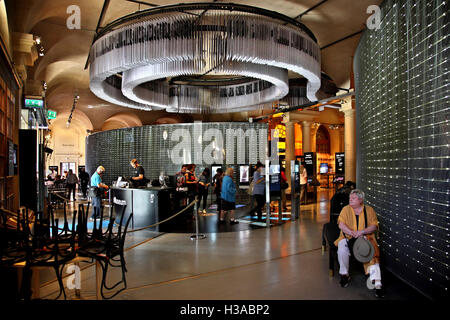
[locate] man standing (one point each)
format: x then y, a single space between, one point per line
96 191
138 179
71 184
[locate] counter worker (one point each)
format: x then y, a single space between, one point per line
138 179
96 189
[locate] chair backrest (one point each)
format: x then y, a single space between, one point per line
124 234
339 200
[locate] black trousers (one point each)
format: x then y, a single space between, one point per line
84 189
260 200
218 202
303 191
202 194
71 189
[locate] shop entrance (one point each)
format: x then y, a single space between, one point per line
324 159
66 166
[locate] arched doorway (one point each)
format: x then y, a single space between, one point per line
323 151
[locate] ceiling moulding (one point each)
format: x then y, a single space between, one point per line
202 58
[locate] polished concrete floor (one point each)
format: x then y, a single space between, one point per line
236 262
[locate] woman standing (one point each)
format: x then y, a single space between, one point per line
228 196
258 189
303 182
191 184
203 186
217 182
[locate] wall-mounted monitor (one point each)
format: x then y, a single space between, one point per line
244 174
323 168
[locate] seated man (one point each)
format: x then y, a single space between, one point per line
352 223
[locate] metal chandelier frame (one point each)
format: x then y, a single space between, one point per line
147 60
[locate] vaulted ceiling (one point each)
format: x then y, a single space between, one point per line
337 25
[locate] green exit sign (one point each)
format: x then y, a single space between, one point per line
34 103
51 114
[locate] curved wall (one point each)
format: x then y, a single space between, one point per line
402 88
166 147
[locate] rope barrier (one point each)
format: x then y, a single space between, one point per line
165 220
68 200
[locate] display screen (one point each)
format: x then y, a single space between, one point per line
244 174
340 162
324 168
274 169
310 163
297 168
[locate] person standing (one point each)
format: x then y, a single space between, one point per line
284 186
303 182
96 191
217 182
258 189
181 187
203 187
191 183
228 196
138 179
71 184
84 181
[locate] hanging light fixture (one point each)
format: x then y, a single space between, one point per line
202 58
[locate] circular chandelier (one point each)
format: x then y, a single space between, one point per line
202 58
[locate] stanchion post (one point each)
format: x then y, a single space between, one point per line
280 209
110 205
196 236
267 173
293 192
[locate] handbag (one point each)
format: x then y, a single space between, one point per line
284 185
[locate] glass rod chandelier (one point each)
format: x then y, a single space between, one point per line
202 58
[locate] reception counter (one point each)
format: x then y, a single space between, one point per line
149 205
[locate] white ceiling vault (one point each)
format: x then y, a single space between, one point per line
336 24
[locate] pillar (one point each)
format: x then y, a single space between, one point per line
349 142
290 149
306 136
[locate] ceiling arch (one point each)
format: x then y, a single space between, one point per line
121 120
79 119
